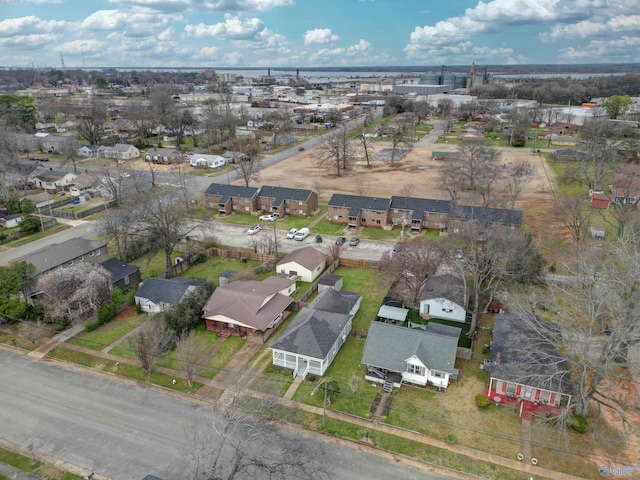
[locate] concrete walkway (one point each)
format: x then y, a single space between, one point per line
56 340
293 387
526 441
383 400
14 473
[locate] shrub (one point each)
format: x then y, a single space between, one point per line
482 401
138 308
579 424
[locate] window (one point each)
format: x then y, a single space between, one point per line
98 252
414 369
436 374
81 259
70 263
91 254
378 222
126 280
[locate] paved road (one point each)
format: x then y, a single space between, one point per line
124 432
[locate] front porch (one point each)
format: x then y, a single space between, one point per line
527 407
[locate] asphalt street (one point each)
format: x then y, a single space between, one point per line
122 431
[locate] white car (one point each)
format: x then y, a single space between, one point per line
253 230
292 233
268 218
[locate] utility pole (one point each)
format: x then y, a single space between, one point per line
324 403
275 239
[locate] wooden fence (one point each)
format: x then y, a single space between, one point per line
83 213
358 263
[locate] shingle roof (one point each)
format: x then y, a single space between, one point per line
331 300
308 257
118 269
518 355
311 333
357 203
485 215
58 254
166 290
446 286
279 194
418 206
228 191
393 313
389 346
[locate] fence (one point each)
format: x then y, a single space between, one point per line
83 213
314 286
225 253
358 263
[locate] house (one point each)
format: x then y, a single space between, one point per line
122 151
164 156
287 201
202 160
235 157
419 213
242 307
329 280
395 355
625 190
356 211
312 340
57 143
443 296
526 372
307 263
53 180
600 201
11 220
569 155
460 215
227 199
66 254
159 294
91 151
123 275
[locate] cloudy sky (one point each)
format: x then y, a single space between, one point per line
307 33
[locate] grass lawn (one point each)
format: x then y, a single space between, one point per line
108 333
18 242
273 380
129 371
324 227
343 370
222 356
169 360
214 266
40 469
371 287
153 264
14 335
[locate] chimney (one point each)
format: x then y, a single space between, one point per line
498 355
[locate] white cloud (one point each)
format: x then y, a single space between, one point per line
337 55
621 49
199 5
319 36
265 41
29 25
232 58
590 28
128 23
233 27
208 53
34 40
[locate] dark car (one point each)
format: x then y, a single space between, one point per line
340 240
396 247
318 238
354 242
301 149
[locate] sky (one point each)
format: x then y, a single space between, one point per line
316 33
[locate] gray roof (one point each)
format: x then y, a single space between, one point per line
446 286
311 333
393 313
279 194
166 290
307 257
419 206
357 203
331 300
118 269
486 216
519 355
389 346
229 191
442 329
329 279
58 254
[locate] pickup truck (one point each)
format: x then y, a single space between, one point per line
301 234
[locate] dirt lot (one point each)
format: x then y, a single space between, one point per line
417 169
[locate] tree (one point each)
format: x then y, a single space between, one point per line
518 177
445 107
100 83
186 315
573 214
398 136
152 339
366 142
617 105
412 266
249 164
190 349
17 113
337 150
595 312
92 116
601 145
74 292
141 114
27 274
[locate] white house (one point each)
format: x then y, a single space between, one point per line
11 221
207 161
122 151
91 151
52 179
443 296
395 355
312 340
306 263
158 294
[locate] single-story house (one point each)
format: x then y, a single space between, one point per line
307 263
625 191
123 275
395 355
312 340
52 179
11 220
66 254
159 294
91 151
243 307
525 371
202 160
122 151
163 155
443 296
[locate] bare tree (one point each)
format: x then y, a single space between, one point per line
623 208
249 164
319 187
398 136
412 266
574 215
407 189
445 107
361 186
190 349
74 292
334 251
152 339
337 150
366 142
140 113
517 179
31 330
91 120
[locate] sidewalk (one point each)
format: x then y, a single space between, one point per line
61 337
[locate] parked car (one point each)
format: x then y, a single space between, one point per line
292 233
253 230
354 242
301 234
268 218
340 240
301 149
396 247
318 238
